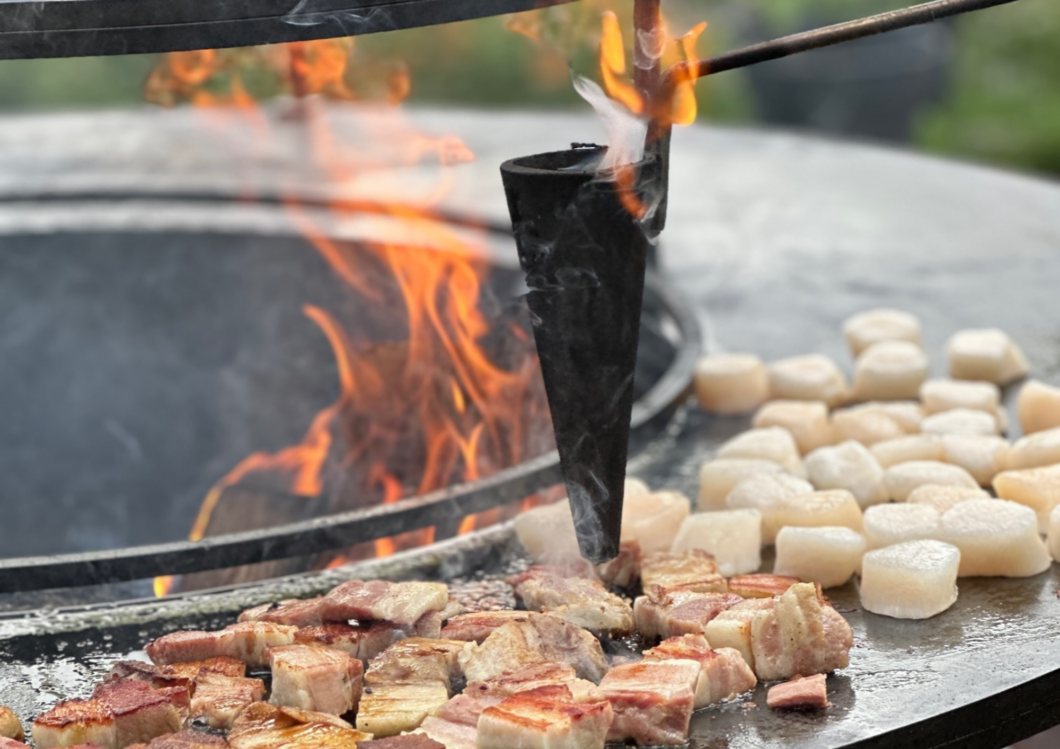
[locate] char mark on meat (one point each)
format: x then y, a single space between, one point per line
583 602
402 604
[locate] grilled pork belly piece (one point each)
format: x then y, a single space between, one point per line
219 698
692 570
402 604
583 602
732 627
799 693
417 660
246 641
177 674
668 613
363 641
293 612
652 701
75 722
539 675
723 673
430 624
389 709
10 725
6 743
265 726
545 718
800 635
623 570
452 735
315 678
410 741
477 626
188 739
760 585
539 638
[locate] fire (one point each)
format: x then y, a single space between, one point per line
430 404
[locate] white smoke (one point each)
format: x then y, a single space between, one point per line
626 132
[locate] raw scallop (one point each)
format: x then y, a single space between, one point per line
1038 406
807 421
763 493
910 447
997 538
985 354
812 377
886 525
848 466
875 325
734 537
731 383
827 555
911 580
816 509
890 370
718 477
1038 488
547 533
943 497
904 477
867 427
653 519
772 443
1038 449
961 421
984 456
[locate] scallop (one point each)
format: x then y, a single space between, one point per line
886 525
1037 488
718 477
943 497
944 395
807 421
812 377
1054 533
653 519
1038 449
827 555
985 354
909 448
961 421
731 383
763 493
890 370
734 537
1038 407
904 477
635 486
906 414
997 538
865 426
848 465
547 533
984 456
910 580
836 507
875 325
771 443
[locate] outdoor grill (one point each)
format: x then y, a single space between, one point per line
59 639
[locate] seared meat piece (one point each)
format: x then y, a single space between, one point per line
402 604
732 627
540 675
265 726
583 602
219 698
760 586
799 693
668 613
417 660
294 612
623 570
6 743
389 709
540 638
175 675
75 722
692 570
246 641
189 739
141 713
477 626
363 641
316 678
452 735
799 635
723 673
653 702
411 741
10 725
430 624
545 718
467 706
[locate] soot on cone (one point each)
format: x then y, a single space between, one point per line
584 255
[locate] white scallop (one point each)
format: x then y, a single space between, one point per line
982 455
901 479
890 370
1037 488
943 497
849 465
886 525
718 477
865 426
910 447
731 383
1038 449
653 519
826 555
771 443
734 537
961 421
807 421
1038 406
812 377
763 493
910 580
876 325
985 354
997 538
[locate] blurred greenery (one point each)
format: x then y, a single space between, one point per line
1003 105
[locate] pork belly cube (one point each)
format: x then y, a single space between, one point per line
732 537
6 743
910 580
478 625
807 421
246 641
801 693
75 722
534 676
264 726
771 443
997 538
903 478
174 675
652 520
828 556
663 613
961 421
986 354
187 739
402 603
389 709
761 585
652 702
816 509
1035 450
850 466
315 678
1038 406
624 569
908 448
877 325
545 718
251 640
890 524
731 383
409 741
451 735
293 612
362 641
983 456
10 725
890 370
417 660
867 427
218 699
764 493
723 674
584 603
943 497
810 377
141 713
1037 488
732 627
800 635
547 533
719 477
692 569
1054 533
